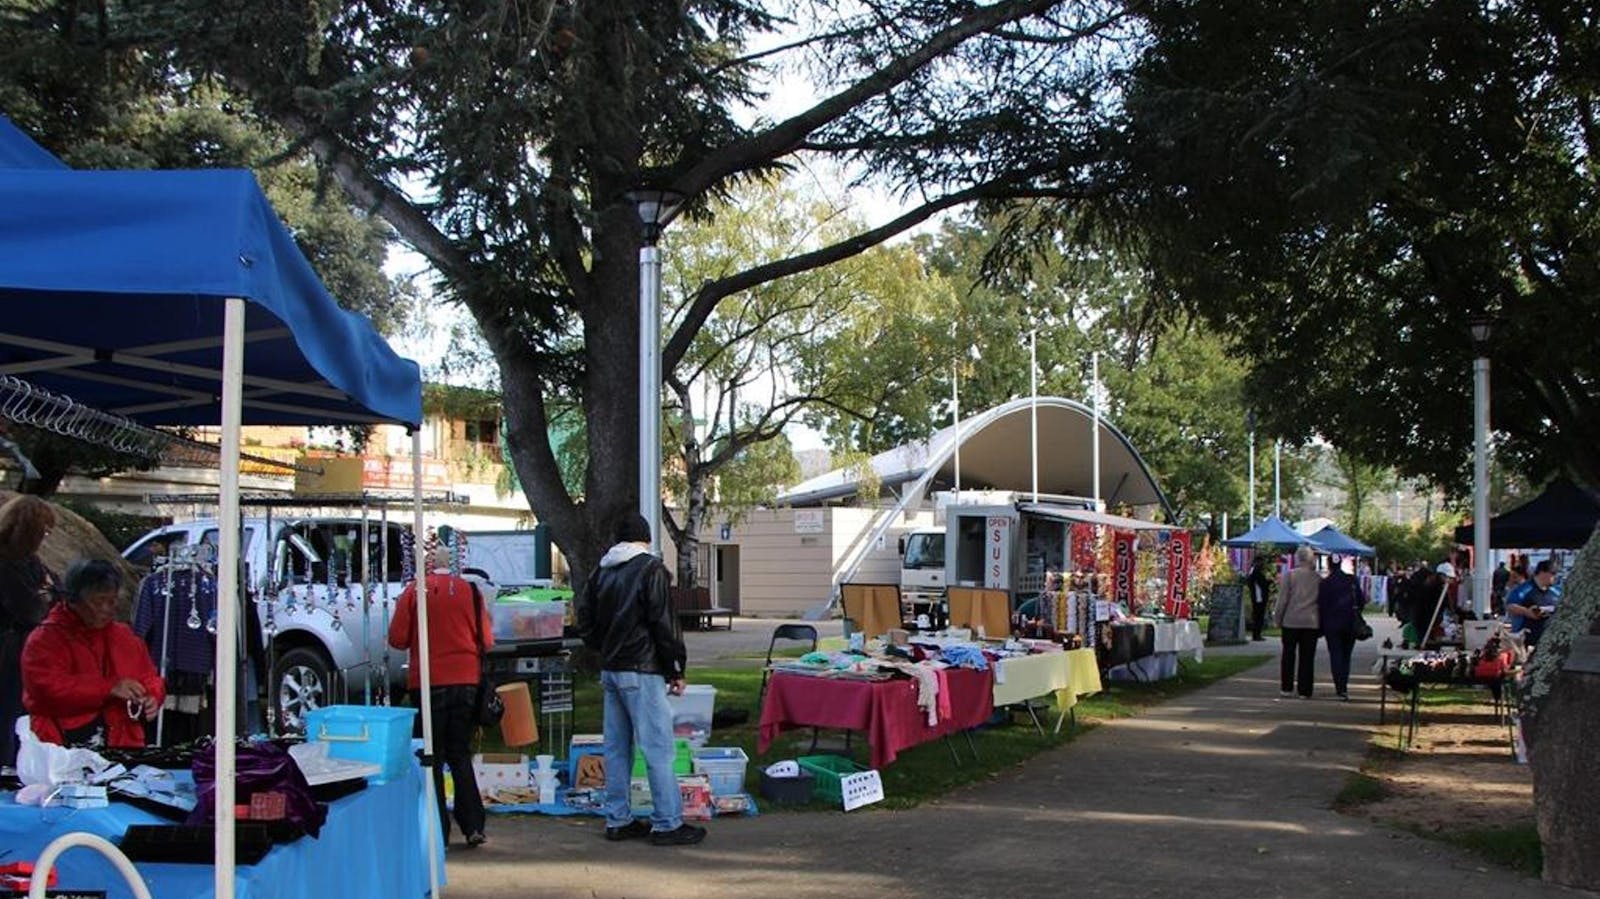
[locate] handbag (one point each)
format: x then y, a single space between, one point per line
1361 630
489 707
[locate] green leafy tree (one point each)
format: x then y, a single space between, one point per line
499 138
1341 187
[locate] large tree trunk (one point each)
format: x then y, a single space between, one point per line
1561 715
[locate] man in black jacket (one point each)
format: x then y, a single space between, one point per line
625 615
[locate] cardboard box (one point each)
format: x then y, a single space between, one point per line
695 789
498 770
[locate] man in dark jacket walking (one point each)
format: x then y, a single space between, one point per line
625 615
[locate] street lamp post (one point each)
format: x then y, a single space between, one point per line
657 207
1482 329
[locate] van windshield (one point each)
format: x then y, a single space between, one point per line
925 551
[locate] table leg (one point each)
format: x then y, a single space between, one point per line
1383 690
1034 714
952 747
971 746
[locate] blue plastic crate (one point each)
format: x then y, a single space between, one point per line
377 734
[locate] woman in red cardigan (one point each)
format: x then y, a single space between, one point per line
86 679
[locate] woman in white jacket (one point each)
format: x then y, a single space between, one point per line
1296 614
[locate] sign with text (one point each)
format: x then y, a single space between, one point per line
809 521
997 553
1178 560
1122 576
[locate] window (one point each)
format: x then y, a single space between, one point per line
144 553
925 551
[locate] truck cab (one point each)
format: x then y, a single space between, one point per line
922 569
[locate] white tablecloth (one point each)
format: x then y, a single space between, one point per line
1180 636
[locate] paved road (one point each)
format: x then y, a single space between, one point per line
1223 792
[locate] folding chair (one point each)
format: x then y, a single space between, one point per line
798 633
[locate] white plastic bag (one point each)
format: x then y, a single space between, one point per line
48 765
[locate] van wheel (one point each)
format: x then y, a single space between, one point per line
302 680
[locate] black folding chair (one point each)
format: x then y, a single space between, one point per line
795 633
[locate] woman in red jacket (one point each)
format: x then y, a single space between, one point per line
86 679
457 617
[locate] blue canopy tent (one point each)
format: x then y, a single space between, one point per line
1332 540
1270 531
175 298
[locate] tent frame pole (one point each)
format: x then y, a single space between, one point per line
228 593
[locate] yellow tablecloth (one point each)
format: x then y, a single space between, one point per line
1068 675
1083 678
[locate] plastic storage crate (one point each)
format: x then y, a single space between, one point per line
691 713
828 769
788 790
725 766
682 759
521 620
377 734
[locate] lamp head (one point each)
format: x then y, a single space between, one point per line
1482 329
657 207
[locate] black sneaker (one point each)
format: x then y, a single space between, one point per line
476 839
685 835
630 831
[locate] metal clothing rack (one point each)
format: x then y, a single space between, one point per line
192 559
373 670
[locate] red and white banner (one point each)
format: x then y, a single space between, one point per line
1122 558
1179 558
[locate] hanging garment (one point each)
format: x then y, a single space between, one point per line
194 598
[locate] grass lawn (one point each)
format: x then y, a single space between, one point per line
924 772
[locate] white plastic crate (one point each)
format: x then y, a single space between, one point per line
725 766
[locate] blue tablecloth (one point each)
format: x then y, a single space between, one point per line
373 847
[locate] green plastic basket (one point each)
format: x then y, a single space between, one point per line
682 759
828 769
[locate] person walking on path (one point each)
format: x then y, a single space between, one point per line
1259 586
624 614
1339 600
457 618
1296 614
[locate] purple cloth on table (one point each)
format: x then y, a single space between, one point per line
193 649
886 711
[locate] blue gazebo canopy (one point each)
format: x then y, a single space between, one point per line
112 285
1332 540
1270 531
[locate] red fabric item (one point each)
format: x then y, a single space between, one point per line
1179 549
886 711
68 671
452 636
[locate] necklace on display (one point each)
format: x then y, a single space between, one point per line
193 620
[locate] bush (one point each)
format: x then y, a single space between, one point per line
119 528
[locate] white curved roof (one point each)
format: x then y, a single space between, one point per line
995 455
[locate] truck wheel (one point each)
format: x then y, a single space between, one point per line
302 680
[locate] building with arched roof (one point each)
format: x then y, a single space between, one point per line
785 560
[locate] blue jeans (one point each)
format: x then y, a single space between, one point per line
637 714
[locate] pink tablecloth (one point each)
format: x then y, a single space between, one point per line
886 711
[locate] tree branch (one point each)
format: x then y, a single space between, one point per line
712 293
782 138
